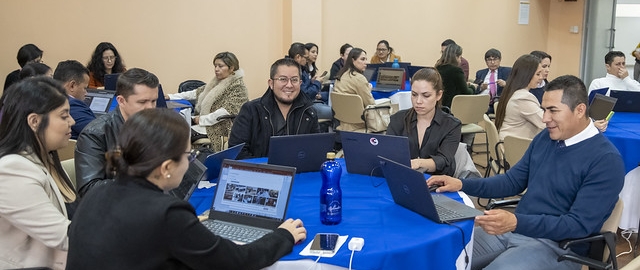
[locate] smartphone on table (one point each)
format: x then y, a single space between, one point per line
324 243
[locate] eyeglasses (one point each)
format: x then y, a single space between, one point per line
492 59
382 49
109 58
193 154
285 80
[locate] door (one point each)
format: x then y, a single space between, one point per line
598 39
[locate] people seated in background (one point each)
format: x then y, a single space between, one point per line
464 64
28 53
36 195
74 76
114 230
384 53
104 60
223 95
282 110
570 192
636 67
433 134
137 89
451 74
617 77
35 69
338 64
493 78
311 59
519 113
545 62
310 86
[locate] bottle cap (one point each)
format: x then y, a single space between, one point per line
331 155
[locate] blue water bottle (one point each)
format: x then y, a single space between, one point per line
330 193
395 63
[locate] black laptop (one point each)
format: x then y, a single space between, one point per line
213 162
361 151
99 100
409 189
110 81
195 173
306 152
628 101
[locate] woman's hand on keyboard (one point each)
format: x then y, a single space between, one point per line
296 228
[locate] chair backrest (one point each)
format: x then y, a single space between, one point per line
70 167
612 223
514 148
493 139
348 108
68 151
469 108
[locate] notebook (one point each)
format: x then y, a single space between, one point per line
213 162
110 81
628 101
390 79
601 91
306 152
251 198
601 106
99 101
409 189
195 173
361 151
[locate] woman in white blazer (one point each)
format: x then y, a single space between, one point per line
34 124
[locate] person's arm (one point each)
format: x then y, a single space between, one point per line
530 110
25 204
363 89
82 115
464 65
241 131
461 83
188 95
396 124
211 119
194 245
630 83
310 87
444 159
479 81
90 161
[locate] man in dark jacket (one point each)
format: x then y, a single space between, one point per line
136 90
282 110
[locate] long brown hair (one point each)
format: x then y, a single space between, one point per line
523 71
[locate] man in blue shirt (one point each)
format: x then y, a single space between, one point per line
75 78
573 176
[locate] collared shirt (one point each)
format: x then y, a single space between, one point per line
615 83
487 78
586 133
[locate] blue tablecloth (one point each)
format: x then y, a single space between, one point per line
379 94
395 238
624 132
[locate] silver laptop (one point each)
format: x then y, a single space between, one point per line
306 152
361 151
390 79
409 189
99 101
250 201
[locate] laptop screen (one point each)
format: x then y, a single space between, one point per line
99 100
390 76
256 190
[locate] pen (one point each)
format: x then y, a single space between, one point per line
609 116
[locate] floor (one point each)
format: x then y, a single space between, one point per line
622 246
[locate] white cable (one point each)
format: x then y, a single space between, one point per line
314 264
626 235
351 259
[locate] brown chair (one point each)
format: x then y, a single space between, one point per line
514 149
348 108
496 149
68 151
469 109
70 168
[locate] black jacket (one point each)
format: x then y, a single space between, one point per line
98 137
254 125
130 224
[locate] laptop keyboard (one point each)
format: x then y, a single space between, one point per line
447 214
235 232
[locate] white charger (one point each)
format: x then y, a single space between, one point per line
356 243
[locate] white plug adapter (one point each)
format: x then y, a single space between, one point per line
356 243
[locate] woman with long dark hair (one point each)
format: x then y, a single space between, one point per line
132 224
36 195
104 60
433 134
452 75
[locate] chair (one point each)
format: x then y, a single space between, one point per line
602 245
469 109
68 151
496 149
70 167
514 149
348 109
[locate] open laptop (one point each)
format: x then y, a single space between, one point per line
99 101
628 101
601 106
390 79
214 161
250 197
601 91
361 151
195 173
372 74
306 152
110 81
409 189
